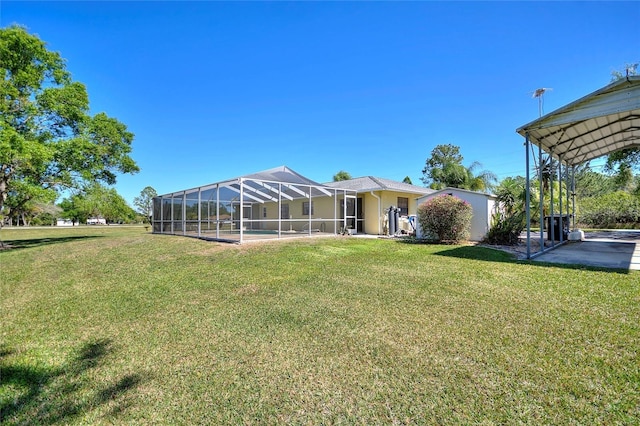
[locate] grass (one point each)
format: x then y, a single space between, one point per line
105 325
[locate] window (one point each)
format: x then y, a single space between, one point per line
264 212
305 208
403 205
284 211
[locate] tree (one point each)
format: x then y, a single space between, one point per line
48 139
629 70
97 201
407 179
107 203
589 183
629 157
483 181
20 204
72 209
442 166
45 214
144 202
444 169
35 213
618 209
511 194
341 175
508 219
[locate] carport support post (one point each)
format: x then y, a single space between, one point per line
541 204
551 182
527 196
560 198
568 187
573 195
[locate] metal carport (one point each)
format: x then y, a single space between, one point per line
596 125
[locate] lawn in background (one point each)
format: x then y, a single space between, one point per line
106 325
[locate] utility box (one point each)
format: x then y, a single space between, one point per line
560 224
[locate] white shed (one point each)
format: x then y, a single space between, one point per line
482 204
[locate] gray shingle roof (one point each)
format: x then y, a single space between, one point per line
371 183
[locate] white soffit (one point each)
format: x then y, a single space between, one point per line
596 125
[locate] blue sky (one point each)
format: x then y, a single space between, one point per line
215 90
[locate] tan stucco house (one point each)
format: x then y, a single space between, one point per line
279 203
375 195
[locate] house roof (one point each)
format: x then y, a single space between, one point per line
371 183
467 191
596 125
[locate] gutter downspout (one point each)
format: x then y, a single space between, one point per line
379 212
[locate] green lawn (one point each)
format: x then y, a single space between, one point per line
105 325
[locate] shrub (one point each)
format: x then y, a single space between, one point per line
611 210
506 228
446 218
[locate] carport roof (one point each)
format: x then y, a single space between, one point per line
596 125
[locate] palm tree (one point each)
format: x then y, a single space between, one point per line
483 181
549 167
511 195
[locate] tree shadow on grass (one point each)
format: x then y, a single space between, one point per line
35 394
37 242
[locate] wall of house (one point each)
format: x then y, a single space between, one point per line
321 219
370 212
375 213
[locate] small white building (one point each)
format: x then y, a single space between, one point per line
96 221
64 222
482 204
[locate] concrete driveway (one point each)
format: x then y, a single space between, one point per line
604 249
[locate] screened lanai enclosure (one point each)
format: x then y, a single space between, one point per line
275 203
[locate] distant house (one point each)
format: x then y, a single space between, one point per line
483 207
376 195
64 222
96 221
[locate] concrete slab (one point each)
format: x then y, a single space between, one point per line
599 252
